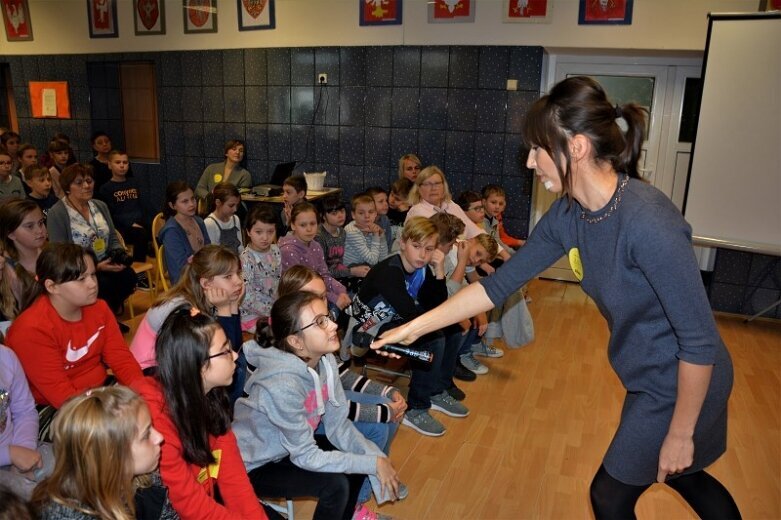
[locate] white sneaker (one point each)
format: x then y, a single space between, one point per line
473 365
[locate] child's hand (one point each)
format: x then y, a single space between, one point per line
343 301
397 405
438 263
465 325
24 459
359 270
236 302
287 209
389 479
481 323
219 298
462 251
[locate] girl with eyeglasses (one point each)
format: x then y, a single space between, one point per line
294 389
189 404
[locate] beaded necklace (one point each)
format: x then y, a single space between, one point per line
616 201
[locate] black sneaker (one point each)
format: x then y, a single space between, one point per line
463 373
456 393
142 282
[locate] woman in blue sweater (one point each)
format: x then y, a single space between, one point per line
631 249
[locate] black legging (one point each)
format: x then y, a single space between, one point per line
336 493
612 499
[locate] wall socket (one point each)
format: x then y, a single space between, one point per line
322 78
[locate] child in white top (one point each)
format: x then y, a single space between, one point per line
365 243
222 224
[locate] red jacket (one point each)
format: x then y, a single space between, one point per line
190 487
63 358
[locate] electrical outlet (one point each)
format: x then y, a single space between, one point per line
322 78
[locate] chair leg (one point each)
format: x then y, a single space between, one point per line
129 305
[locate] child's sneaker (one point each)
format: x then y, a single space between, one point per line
486 350
422 422
364 513
403 491
456 393
142 282
445 403
470 363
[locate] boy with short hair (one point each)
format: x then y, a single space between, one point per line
39 182
380 197
10 185
293 192
59 154
398 207
10 141
494 202
121 195
365 242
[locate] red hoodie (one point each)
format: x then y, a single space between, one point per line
63 358
190 487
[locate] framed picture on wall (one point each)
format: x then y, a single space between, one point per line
256 14
605 12
200 16
149 17
379 12
16 18
451 11
102 16
527 11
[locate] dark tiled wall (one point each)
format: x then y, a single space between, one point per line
746 283
447 104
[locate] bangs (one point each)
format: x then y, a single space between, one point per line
538 128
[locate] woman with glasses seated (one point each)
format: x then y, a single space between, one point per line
294 388
79 219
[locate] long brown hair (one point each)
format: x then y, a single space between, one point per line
93 468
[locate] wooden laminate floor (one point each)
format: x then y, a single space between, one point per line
543 417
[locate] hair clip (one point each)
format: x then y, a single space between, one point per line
621 120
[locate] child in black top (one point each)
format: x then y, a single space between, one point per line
39 182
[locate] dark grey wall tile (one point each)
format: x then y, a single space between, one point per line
433 108
378 106
403 141
491 107
726 297
301 104
213 104
174 138
233 67
405 107
233 130
255 66
765 272
278 143
518 103
193 139
171 68
256 104
191 68
760 299
351 105
461 109
514 155
526 67
379 66
406 66
351 179
171 101
377 146
489 153
352 66
278 104
494 65
328 99
214 140
732 267
211 70
327 61
460 152
432 146
464 71
302 146
351 145
326 144
435 64
302 66
257 143
192 103
278 66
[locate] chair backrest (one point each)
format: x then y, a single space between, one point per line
162 271
157 224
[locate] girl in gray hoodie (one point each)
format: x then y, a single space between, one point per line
294 388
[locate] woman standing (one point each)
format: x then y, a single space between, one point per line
631 249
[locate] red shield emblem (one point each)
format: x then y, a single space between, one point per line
149 12
198 11
254 7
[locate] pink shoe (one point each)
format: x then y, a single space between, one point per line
364 513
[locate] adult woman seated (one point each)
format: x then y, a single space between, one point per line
79 219
409 167
229 170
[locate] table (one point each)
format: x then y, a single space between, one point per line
311 195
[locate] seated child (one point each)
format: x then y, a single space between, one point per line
10 141
401 288
494 202
222 224
380 197
293 192
10 184
28 156
292 391
331 237
107 453
59 157
184 232
398 207
261 264
123 198
365 242
188 402
22 461
300 247
39 184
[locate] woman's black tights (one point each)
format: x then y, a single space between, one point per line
612 499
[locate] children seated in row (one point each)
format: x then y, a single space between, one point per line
10 184
494 201
189 405
184 232
301 248
23 235
68 339
398 289
261 265
292 391
39 187
222 224
107 451
122 196
365 242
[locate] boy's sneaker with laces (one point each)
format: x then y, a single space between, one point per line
486 350
142 282
456 393
422 422
445 403
364 513
463 373
403 491
470 363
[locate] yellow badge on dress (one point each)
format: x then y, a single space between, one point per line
212 470
575 264
99 246
217 177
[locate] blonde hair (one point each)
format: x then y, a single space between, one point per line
489 243
295 278
418 229
8 306
210 261
408 157
426 173
93 470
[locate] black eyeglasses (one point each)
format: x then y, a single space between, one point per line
321 321
227 352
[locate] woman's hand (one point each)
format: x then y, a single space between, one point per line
220 299
402 335
676 455
24 459
481 323
359 271
388 478
343 301
397 405
107 265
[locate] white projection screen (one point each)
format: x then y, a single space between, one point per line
733 195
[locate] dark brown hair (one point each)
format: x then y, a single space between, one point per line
302 207
449 226
297 182
69 174
172 192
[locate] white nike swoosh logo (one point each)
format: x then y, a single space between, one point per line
74 354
